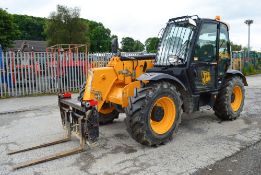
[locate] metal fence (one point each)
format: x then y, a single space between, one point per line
247 64
31 73
28 73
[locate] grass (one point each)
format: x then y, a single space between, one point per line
251 70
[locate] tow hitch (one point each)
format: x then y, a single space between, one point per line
78 119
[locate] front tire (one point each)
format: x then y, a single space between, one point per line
154 113
230 100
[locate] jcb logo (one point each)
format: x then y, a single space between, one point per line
205 77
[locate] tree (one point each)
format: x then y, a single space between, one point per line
65 26
138 46
235 47
99 36
114 36
127 44
151 44
31 28
245 49
8 30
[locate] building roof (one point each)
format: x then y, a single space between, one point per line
29 45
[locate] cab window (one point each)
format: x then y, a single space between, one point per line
223 43
224 50
206 45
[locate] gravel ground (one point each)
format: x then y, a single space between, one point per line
202 141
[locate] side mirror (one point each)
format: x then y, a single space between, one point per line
114 45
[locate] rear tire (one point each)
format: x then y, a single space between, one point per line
104 118
154 113
230 100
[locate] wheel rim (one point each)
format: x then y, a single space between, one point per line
236 98
162 124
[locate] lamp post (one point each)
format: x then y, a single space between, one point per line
248 22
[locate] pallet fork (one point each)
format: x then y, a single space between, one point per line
79 119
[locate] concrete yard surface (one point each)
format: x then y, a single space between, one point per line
202 140
246 161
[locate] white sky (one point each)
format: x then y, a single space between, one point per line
141 19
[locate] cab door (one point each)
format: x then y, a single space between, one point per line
224 56
203 68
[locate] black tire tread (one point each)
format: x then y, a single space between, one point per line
136 126
222 105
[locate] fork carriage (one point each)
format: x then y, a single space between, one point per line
79 120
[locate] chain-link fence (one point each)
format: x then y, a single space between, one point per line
46 72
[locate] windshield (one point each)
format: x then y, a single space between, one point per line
175 42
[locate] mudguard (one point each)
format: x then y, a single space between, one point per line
154 76
232 72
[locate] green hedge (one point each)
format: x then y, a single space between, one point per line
250 69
